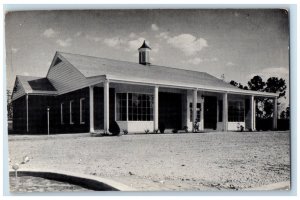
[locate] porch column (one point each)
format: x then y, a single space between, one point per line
155 116
106 106
27 112
225 111
275 113
195 96
252 113
92 109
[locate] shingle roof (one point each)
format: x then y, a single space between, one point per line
34 85
123 70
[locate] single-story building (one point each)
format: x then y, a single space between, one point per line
85 94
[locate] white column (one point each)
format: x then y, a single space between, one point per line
155 111
252 113
225 112
106 106
195 96
27 121
92 130
275 113
48 120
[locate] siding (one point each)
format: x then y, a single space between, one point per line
18 90
65 78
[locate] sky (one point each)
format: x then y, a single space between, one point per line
237 43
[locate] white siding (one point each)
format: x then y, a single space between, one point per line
19 91
65 78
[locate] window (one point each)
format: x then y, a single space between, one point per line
220 106
62 113
198 112
82 111
140 107
71 112
236 111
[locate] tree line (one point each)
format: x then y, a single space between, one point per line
264 106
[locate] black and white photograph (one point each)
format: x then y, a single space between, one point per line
148 100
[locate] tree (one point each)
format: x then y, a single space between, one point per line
9 105
256 84
264 106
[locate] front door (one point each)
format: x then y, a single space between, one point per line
210 112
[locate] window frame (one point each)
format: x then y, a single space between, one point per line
81 117
71 112
129 113
237 111
62 113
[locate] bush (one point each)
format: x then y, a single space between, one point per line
147 131
174 131
125 131
114 128
156 131
186 129
162 127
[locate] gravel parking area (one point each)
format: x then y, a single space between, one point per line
155 162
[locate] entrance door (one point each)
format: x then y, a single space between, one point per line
210 112
169 112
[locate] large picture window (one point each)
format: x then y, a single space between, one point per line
236 111
140 107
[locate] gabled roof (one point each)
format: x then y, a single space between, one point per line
92 67
32 85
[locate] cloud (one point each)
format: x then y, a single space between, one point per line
14 50
163 35
154 27
195 61
230 64
187 43
133 45
78 34
132 35
93 38
64 43
48 33
115 42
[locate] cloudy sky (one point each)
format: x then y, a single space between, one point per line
236 43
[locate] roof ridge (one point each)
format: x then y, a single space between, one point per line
136 63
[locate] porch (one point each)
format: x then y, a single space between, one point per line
139 107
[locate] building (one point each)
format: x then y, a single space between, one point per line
85 94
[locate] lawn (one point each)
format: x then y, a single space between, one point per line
193 161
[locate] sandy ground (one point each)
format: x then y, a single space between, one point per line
155 162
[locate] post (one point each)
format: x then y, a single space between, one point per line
155 108
48 121
194 108
27 121
275 113
106 106
252 113
91 91
225 111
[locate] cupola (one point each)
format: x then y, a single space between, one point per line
144 54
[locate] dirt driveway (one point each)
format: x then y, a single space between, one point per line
194 161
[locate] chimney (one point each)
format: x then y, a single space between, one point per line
144 54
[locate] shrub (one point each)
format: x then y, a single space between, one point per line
147 131
156 131
174 131
125 131
162 127
114 128
186 129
